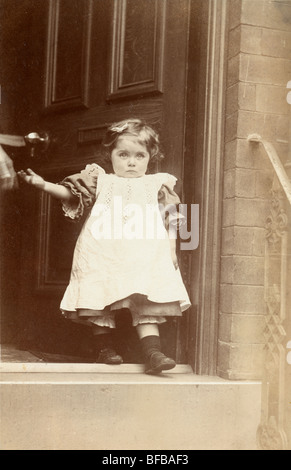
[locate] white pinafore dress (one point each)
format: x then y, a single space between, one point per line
122 257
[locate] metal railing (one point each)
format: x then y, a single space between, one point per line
276 162
271 433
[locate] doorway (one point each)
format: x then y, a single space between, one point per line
81 65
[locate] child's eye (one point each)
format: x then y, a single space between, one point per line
140 156
123 155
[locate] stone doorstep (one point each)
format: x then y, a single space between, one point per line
75 407
34 373
23 367
109 405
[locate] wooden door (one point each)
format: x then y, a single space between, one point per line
89 63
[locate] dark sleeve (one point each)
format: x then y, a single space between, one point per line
82 185
168 203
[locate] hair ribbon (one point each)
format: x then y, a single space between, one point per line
119 129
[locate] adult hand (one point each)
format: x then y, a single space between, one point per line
8 177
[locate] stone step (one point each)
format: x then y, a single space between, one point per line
98 407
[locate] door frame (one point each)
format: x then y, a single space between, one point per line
206 130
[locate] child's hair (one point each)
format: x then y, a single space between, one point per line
133 127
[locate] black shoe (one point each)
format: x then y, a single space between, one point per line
159 362
109 356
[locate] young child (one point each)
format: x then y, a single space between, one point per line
125 256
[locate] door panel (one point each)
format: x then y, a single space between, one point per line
137 48
68 54
102 61
57 238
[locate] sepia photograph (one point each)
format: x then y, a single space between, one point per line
145 244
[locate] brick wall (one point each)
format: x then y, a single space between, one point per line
258 69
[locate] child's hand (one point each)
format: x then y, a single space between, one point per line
32 178
174 259
173 250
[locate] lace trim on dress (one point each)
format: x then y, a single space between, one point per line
166 179
73 212
150 196
83 185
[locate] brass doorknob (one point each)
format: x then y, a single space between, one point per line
36 140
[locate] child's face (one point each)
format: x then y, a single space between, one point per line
129 158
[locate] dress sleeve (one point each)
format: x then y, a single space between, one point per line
83 185
168 202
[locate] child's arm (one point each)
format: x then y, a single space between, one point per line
172 238
55 190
